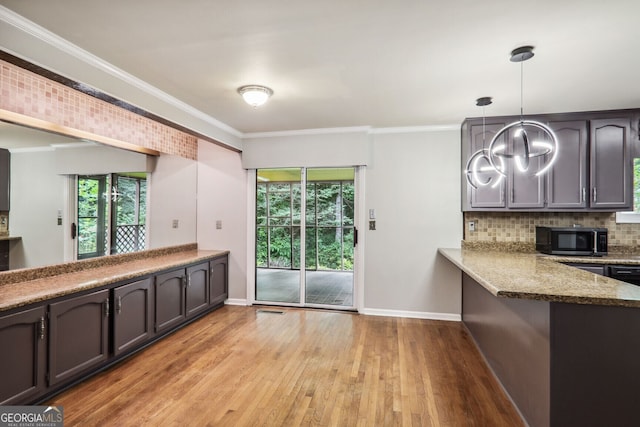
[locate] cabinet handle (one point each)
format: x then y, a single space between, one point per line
188 279
584 194
513 194
595 194
106 307
119 305
41 329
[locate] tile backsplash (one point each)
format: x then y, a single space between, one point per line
519 227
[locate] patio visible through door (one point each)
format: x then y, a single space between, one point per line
325 242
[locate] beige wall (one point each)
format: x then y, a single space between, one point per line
222 196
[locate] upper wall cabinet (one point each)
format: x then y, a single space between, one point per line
593 169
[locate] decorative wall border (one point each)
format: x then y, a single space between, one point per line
25 92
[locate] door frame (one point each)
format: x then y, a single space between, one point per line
358 253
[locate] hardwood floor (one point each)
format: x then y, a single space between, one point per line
240 366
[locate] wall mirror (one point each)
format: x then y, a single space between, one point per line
46 171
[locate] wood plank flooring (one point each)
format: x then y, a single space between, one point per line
240 366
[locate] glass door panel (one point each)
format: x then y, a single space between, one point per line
329 237
278 213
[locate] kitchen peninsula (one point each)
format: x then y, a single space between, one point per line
563 342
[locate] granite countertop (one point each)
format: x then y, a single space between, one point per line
539 277
28 292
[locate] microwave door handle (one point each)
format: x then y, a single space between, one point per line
595 242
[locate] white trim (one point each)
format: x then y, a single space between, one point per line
319 131
361 223
65 46
236 301
627 217
32 149
251 237
415 129
451 317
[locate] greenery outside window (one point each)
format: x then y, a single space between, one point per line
111 214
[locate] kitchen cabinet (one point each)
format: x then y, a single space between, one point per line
48 345
23 355
133 315
197 291
169 299
218 289
567 178
5 168
491 195
78 335
593 169
611 164
180 294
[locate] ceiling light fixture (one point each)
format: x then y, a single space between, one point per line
255 95
547 148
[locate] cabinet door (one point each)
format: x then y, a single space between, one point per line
567 178
133 315
219 280
611 164
169 299
491 195
197 288
524 188
79 335
5 167
23 346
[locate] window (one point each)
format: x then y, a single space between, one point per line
633 217
111 215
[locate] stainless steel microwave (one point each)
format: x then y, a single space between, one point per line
579 241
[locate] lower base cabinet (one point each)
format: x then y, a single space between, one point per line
23 352
46 347
78 335
133 315
218 283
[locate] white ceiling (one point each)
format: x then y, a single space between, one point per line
380 63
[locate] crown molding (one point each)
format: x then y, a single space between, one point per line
57 42
319 131
415 129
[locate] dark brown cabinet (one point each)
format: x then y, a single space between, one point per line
46 347
593 169
218 289
78 335
133 315
23 350
490 195
611 164
525 189
197 292
567 178
181 294
5 167
170 308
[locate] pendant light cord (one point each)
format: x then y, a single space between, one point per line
521 90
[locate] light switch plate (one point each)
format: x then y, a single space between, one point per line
472 226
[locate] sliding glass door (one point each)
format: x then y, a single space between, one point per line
325 241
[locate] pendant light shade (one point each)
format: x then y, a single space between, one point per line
530 140
255 95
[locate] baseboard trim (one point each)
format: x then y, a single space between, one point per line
236 301
451 317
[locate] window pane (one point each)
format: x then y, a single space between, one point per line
329 204
280 247
87 235
347 203
329 249
262 257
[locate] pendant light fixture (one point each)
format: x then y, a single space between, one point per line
255 95
500 157
479 170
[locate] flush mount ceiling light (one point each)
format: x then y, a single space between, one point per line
524 149
479 170
255 95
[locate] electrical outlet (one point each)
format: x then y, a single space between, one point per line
372 225
175 223
472 226
218 225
